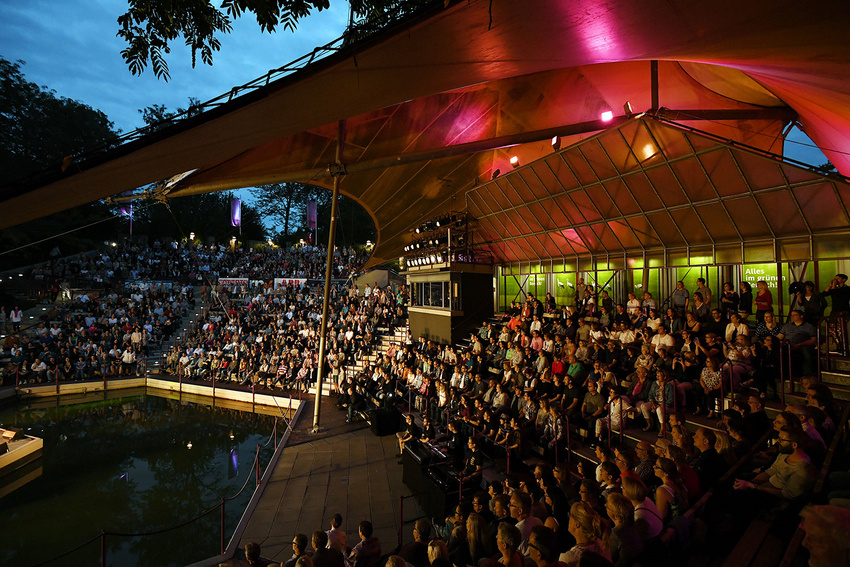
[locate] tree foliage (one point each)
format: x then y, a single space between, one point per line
207 215
285 204
149 27
38 129
157 116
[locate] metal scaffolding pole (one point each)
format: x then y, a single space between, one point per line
337 173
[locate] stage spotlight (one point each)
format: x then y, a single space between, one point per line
556 143
497 173
418 230
515 162
627 108
439 258
607 116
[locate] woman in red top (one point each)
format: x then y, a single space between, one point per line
764 300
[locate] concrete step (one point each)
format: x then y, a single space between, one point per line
835 378
837 363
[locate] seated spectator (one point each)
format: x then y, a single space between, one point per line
708 464
416 552
299 549
367 553
647 517
590 532
325 556
337 538
625 541
508 541
252 555
791 476
671 498
827 535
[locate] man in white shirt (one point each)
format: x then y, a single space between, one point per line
662 339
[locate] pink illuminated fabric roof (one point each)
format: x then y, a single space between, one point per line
433 108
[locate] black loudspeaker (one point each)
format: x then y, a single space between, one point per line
4 448
384 422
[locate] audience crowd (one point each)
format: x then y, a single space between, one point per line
546 379
134 297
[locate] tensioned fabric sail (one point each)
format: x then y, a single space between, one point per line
435 107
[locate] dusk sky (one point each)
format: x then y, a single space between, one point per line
71 46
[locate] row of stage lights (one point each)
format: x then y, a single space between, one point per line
425 260
606 116
442 222
426 243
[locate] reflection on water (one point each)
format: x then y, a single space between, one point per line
126 466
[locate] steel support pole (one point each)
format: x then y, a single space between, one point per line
328 272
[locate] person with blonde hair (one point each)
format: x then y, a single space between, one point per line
625 541
723 446
590 532
476 546
647 518
438 553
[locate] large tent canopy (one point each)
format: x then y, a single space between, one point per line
433 108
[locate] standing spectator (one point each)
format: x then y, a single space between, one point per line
680 298
15 317
812 302
704 291
839 291
764 300
745 301
802 336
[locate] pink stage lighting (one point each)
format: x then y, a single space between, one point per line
607 116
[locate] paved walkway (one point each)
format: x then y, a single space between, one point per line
354 473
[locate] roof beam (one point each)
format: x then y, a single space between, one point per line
783 113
